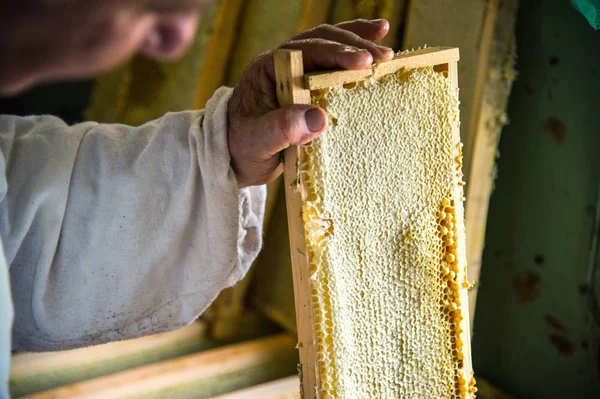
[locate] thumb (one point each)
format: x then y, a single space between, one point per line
292 125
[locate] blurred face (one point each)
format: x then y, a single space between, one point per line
45 40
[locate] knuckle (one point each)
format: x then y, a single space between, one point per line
287 124
287 121
263 57
322 27
320 30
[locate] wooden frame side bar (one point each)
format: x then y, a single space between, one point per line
415 59
458 196
289 74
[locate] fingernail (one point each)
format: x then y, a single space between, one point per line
315 120
388 52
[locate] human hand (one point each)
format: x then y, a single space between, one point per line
259 130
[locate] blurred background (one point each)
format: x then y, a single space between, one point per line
529 80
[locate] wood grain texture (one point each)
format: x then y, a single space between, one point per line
315 13
245 364
468 25
458 196
289 81
34 372
218 50
285 388
289 74
492 118
410 60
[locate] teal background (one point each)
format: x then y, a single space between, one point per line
534 334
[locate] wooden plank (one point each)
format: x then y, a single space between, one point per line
492 118
269 356
33 372
218 51
408 60
289 74
458 196
315 12
285 388
468 25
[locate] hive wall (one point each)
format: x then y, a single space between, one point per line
385 238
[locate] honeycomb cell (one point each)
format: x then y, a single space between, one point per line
382 234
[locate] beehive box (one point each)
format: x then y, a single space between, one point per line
376 229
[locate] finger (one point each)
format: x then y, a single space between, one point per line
325 54
343 36
277 130
374 30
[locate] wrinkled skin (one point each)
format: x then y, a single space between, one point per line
259 130
46 40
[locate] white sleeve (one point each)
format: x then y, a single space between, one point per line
113 232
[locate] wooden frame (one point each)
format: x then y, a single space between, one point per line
293 87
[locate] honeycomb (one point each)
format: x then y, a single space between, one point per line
382 211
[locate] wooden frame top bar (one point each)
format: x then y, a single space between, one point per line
415 59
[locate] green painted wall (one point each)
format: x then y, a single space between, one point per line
534 333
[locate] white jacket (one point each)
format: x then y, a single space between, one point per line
112 232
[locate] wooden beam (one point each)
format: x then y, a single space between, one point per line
289 75
408 60
285 388
218 50
315 12
468 25
201 375
491 120
34 372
